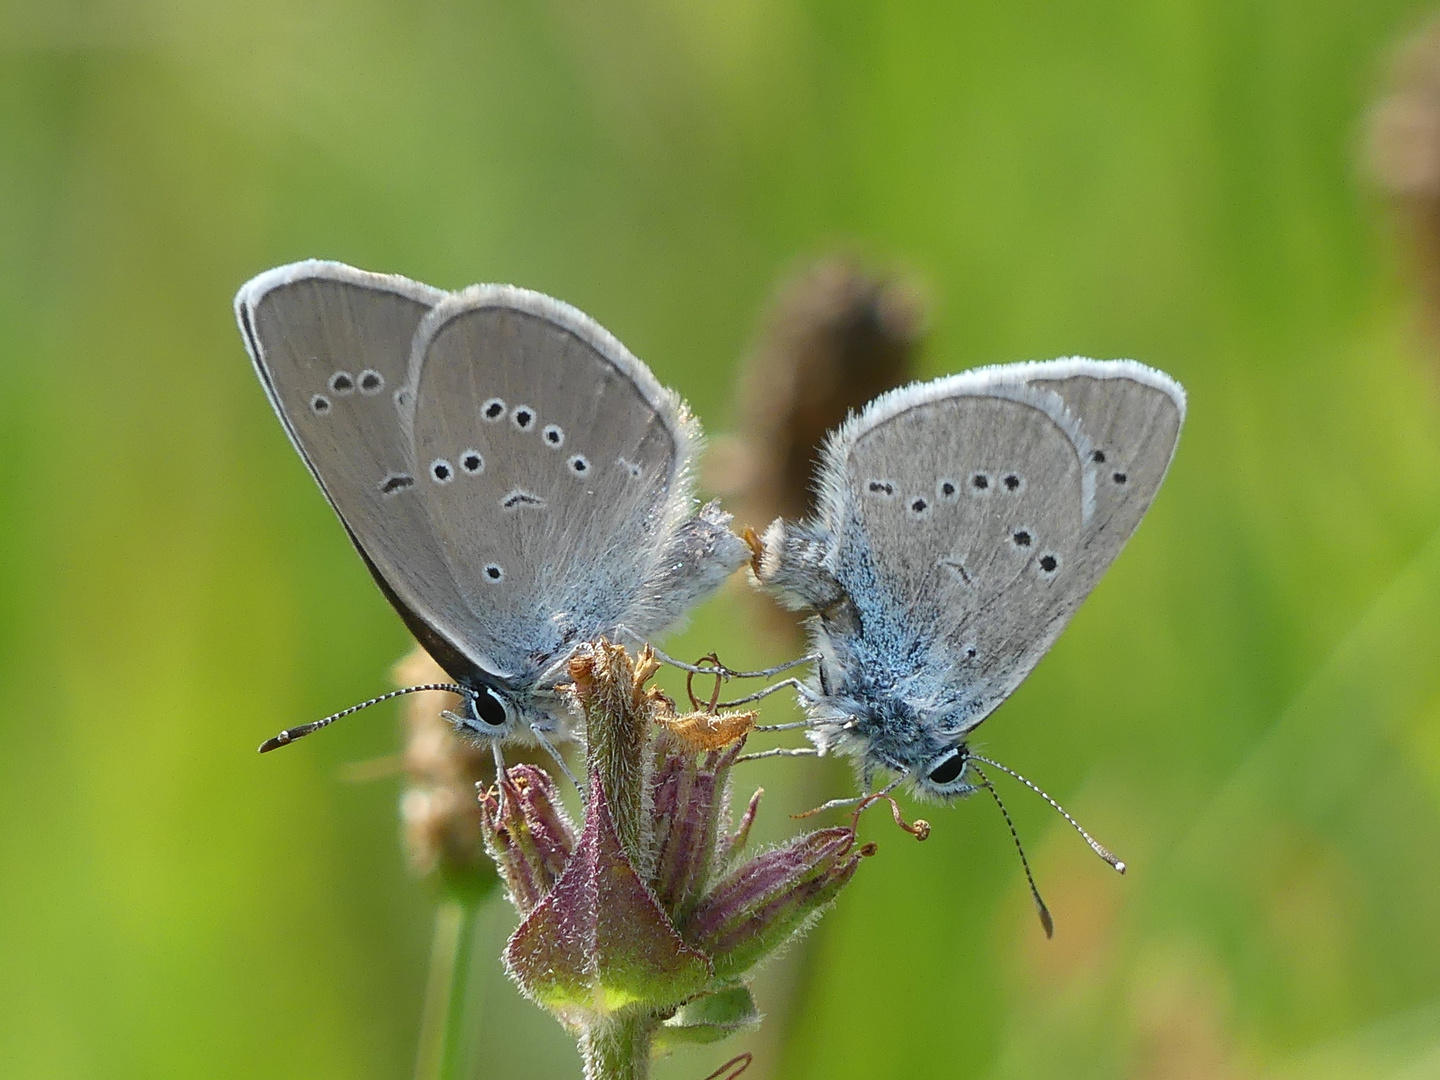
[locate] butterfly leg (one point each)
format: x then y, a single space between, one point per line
500 779
721 669
765 673
800 688
780 751
555 754
793 726
836 804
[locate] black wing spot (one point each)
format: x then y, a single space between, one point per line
521 498
320 404
1119 478
396 482
524 417
946 488
956 567
442 472
494 572
472 462
342 383
493 409
371 382
402 398
980 483
579 464
971 652
1098 457
884 488
554 435
1022 538
1049 563
1012 482
919 507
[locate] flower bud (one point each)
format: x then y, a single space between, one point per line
438 811
712 1016
531 839
759 905
686 803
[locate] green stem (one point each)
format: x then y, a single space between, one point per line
443 1027
618 1047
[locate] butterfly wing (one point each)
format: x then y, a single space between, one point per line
331 345
557 469
972 515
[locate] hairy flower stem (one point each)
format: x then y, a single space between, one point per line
444 1024
618 1048
618 734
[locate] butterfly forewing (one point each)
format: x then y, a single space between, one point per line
550 459
332 346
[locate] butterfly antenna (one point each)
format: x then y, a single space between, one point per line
1045 920
1095 845
289 735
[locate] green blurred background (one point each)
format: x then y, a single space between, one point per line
1248 709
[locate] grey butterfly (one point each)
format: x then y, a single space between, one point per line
514 479
961 522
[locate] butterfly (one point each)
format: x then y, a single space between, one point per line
960 524
514 479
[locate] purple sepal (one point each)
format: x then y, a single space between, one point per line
760 904
687 799
599 941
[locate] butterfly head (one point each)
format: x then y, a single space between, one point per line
507 713
487 712
890 731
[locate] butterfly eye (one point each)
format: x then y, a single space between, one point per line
949 768
489 708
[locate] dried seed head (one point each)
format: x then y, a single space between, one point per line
1403 157
835 337
438 809
1404 137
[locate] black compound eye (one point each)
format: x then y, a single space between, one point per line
948 769
489 707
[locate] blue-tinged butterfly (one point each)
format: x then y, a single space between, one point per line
514 479
961 522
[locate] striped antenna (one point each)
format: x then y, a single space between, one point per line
1045 920
289 735
1095 845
